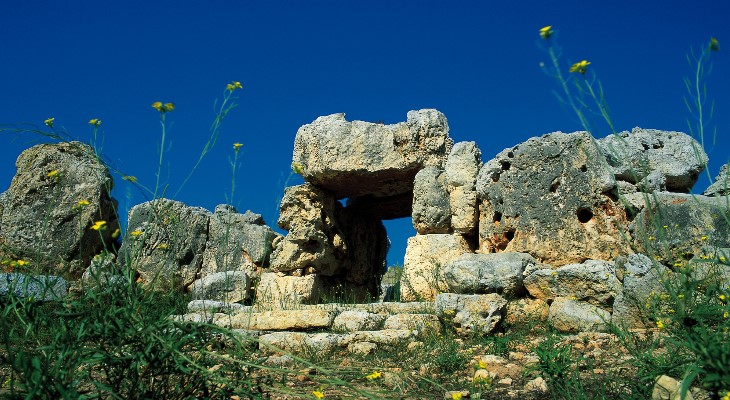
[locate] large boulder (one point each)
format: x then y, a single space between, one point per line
552 197
165 243
568 315
654 160
642 279
382 159
673 227
462 168
58 194
592 281
476 313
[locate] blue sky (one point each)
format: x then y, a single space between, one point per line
477 62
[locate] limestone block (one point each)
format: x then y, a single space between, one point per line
58 193
673 160
425 324
552 197
641 278
471 313
487 273
274 291
353 320
431 210
462 168
425 256
229 286
298 342
167 253
278 320
567 315
382 159
526 310
592 281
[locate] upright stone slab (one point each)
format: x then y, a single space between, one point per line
462 168
58 193
165 242
425 257
552 197
431 210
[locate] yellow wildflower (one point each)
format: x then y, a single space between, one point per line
49 122
456 396
135 233
375 375
660 324
116 233
95 122
162 246
714 46
651 238
297 168
546 32
580 67
704 237
317 394
21 263
723 297
233 86
99 225
54 173
82 203
130 178
163 108
722 259
482 364
237 146
725 315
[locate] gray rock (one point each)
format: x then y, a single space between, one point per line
479 313
229 286
41 217
277 320
299 342
592 281
213 306
487 273
721 186
278 291
431 211
642 278
676 226
671 160
567 315
552 197
37 288
168 252
462 168
382 159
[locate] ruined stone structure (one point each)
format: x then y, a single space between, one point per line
563 226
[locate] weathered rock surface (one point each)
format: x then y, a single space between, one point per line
721 186
167 252
346 248
526 309
479 313
277 320
641 278
38 288
236 242
58 193
461 170
551 197
487 273
278 291
431 210
425 324
172 245
593 281
354 320
382 159
425 256
567 315
654 160
672 227
228 286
